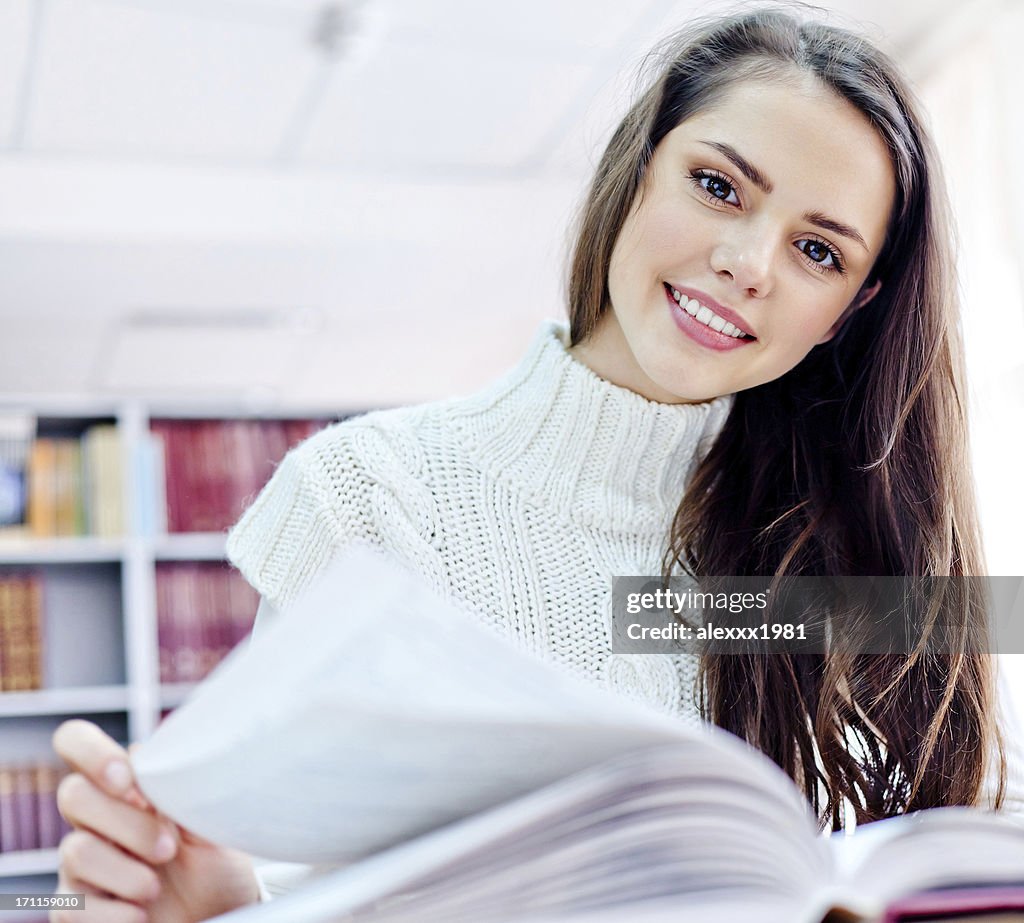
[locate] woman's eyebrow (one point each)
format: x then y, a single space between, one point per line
762 182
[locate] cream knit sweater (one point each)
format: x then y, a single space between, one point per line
521 502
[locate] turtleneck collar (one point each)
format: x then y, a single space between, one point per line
599 453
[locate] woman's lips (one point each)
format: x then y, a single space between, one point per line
701 333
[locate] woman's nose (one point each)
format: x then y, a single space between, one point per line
747 257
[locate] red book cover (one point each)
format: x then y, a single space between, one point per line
221 612
204 477
277 448
165 626
206 615
955 904
162 429
190 655
243 601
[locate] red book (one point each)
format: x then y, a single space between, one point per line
985 904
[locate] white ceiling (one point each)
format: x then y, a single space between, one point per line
201 197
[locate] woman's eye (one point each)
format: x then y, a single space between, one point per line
715 186
820 254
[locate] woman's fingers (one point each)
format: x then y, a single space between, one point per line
100 758
98 907
139 832
92 861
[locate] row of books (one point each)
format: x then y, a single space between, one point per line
203 610
202 474
213 468
29 818
21 608
60 485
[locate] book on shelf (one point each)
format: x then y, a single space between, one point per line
102 472
21 631
29 818
17 430
213 468
204 608
75 484
427 769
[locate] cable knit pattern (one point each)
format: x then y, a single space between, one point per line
521 503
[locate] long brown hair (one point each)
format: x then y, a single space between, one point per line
861 464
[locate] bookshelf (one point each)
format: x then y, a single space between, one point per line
123 549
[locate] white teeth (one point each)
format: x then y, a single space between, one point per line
705 315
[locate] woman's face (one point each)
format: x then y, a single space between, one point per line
764 214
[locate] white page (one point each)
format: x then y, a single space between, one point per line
346 726
489 836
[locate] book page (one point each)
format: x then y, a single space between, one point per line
937 848
631 833
372 711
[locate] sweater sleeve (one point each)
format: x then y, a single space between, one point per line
318 500
364 480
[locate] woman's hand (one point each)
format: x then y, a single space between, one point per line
132 864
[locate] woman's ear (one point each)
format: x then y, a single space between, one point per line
861 299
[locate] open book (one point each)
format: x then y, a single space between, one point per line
432 771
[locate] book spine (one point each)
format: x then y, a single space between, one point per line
102 481
192 628
243 601
8 813
111 487
25 807
32 589
17 635
165 624
42 516
17 431
64 499
5 658
51 826
169 435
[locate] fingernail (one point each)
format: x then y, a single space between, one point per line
165 847
119 776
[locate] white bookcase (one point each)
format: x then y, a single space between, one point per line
100 645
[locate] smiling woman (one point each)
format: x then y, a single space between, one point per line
761 376
777 175
733 214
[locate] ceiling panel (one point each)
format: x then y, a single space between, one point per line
415 111
126 80
15 31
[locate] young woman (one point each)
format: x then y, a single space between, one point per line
763 314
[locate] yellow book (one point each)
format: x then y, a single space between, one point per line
42 509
